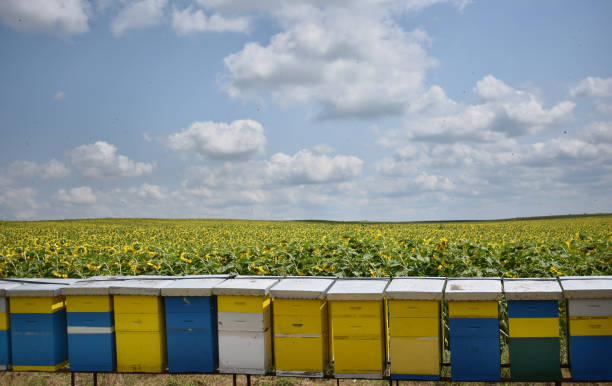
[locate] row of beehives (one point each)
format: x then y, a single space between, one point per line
299 326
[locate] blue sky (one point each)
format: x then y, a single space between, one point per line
369 110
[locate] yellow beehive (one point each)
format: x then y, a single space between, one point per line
414 327
140 331
300 326
357 327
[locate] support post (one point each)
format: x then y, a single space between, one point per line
72 379
248 379
234 379
95 379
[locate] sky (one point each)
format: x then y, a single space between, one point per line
375 110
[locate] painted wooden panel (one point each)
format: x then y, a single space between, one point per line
414 327
245 352
243 321
77 303
590 358
533 327
535 359
141 351
254 304
590 307
301 354
350 308
415 355
473 309
36 305
134 304
299 324
590 325
358 356
284 306
533 309
414 308
475 358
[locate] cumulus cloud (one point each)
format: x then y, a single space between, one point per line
604 108
593 87
504 113
63 17
190 20
417 5
149 192
80 195
305 167
52 169
100 160
374 70
139 14
19 203
219 140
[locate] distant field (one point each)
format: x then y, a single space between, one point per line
523 248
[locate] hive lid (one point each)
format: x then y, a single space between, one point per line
532 289
488 288
192 287
245 287
90 287
6 284
357 289
141 287
39 287
302 288
587 287
415 288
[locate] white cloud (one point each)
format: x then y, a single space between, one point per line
20 203
139 14
63 17
304 167
188 21
593 87
433 182
504 113
374 70
598 132
149 192
417 5
58 96
52 169
604 108
99 160
80 195
219 140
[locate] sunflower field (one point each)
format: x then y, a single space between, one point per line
530 248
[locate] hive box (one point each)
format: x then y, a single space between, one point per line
590 327
91 325
5 331
245 342
140 331
474 328
38 325
414 327
357 327
300 326
191 325
533 321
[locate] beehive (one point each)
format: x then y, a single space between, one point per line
91 325
474 328
357 327
38 325
191 325
140 331
245 341
414 327
533 321
300 326
5 331
590 327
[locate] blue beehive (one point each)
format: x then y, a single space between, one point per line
590 327
5 332
191 325
38 325
91 327
474 328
